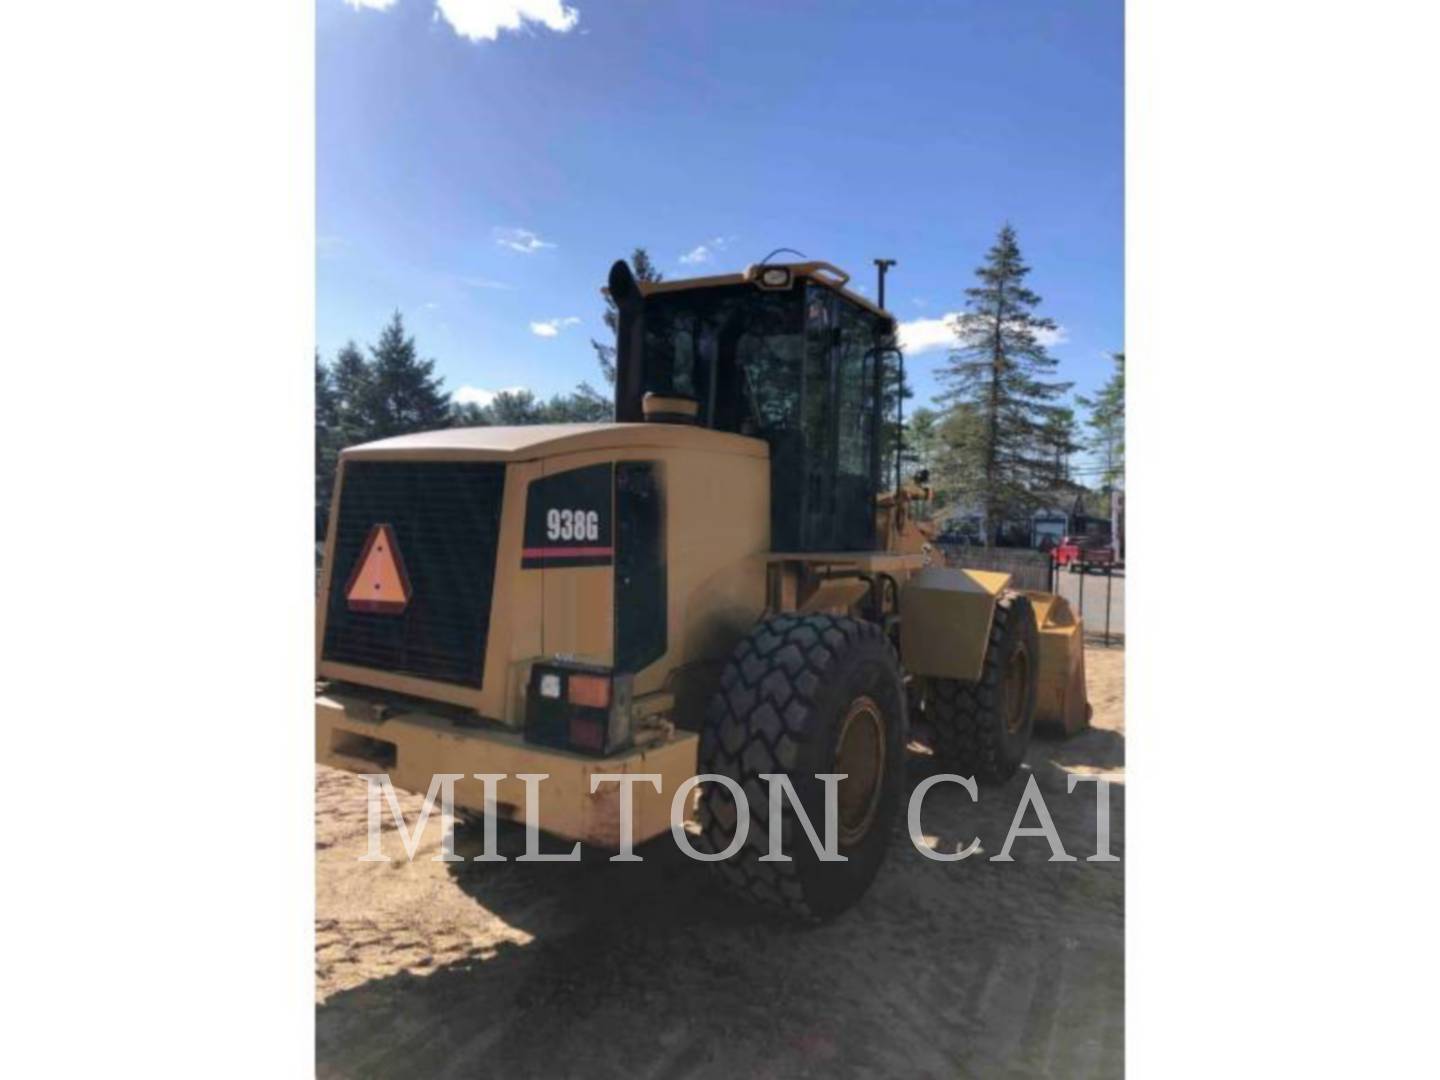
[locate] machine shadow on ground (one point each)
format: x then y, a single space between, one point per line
967 968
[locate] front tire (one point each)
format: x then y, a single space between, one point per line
982 729
801 695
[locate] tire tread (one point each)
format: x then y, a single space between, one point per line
755 724
962 713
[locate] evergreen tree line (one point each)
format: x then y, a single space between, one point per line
1001 440
392 391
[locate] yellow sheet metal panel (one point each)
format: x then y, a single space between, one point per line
1051 611
1061 700
945 616
579 613
717 534
1041 603
835 595
717 530
536 441
419 745
992 581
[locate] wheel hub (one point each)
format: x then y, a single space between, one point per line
1014 690
860 755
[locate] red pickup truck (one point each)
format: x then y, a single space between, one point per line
1080 553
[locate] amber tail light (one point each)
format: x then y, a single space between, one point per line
592 691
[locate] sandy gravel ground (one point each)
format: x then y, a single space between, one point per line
596 969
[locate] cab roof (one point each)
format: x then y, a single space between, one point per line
822 272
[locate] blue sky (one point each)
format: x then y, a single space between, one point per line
481 179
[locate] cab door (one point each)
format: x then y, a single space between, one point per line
838 409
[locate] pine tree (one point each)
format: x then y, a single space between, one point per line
1059 440
350 378
644 271
518 407
468 414
960 454
1107 424
894 388
327 444
404 394
998 373
922 450
584 406
922 437
513 407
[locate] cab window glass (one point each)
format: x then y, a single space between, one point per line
854 374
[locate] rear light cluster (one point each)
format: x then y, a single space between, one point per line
579 708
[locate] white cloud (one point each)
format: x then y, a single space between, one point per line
521 240
1058 336
706 252
485 283
552 327
474 395
485 20
927 335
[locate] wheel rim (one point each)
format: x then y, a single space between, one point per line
860 755
1015 689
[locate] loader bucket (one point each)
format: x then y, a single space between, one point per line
1061 706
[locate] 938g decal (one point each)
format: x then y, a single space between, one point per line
568 519
572 525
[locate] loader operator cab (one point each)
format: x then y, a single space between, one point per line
780 353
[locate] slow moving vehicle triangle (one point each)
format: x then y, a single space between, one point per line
379 584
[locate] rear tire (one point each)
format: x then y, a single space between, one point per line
982 729
801 695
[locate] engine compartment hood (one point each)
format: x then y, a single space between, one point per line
535 441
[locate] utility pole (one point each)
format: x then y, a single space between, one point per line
881 267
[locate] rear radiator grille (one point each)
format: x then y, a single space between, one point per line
445 517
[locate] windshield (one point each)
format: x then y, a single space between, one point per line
795 367
737 350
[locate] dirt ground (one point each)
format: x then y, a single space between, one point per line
595 969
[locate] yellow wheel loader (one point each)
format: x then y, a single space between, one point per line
713 584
